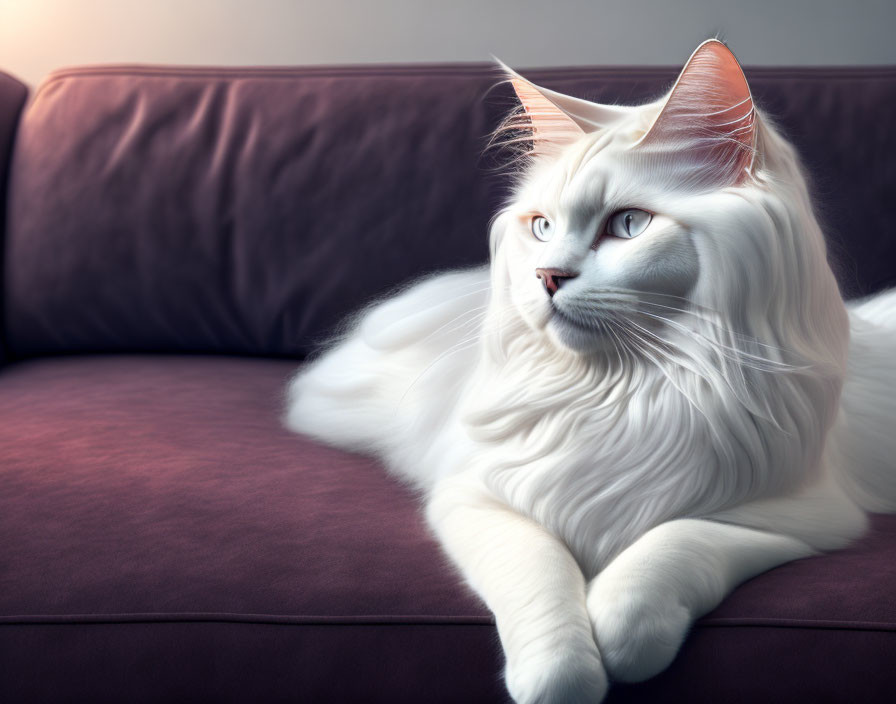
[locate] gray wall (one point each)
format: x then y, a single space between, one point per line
39 35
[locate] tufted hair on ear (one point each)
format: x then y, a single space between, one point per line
708 118
553 120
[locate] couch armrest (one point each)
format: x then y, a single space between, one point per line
13 94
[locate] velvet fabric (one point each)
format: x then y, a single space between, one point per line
247 211
162 534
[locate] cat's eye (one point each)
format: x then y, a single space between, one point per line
542 228
628 223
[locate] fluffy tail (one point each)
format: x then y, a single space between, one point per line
868 430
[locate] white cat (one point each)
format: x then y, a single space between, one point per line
653 393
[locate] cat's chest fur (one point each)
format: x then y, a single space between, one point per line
596 453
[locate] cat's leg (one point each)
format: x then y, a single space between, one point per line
534 587
643 603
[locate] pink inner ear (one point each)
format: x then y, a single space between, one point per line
550 125
709 114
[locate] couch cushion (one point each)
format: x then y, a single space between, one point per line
162 532
240 211
248 210
162 537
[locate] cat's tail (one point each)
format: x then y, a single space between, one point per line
867 430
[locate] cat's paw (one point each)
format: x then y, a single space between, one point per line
637 631
560 678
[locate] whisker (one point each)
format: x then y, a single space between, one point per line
639 295
735 334
734 353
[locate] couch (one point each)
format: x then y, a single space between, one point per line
175 241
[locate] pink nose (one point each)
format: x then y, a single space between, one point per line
551 278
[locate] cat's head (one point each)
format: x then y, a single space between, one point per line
683 221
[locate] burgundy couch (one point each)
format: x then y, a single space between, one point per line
175 240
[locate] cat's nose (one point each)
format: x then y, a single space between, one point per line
552 278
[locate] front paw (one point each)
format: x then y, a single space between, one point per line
638 631
557 678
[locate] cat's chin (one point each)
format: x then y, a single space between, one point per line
571 335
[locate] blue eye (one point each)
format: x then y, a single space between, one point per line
628 223
541 227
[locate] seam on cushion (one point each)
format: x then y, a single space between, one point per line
376 620
400 620
460 69
819 624
560 74
823 73
285 72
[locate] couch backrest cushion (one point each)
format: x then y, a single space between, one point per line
247 210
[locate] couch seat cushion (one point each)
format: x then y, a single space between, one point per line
157 517
163 537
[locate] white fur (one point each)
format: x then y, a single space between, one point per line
604 477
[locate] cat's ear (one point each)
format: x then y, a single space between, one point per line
708 117
556 119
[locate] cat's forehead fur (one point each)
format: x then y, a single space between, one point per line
597 171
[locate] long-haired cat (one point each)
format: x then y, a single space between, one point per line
654 392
